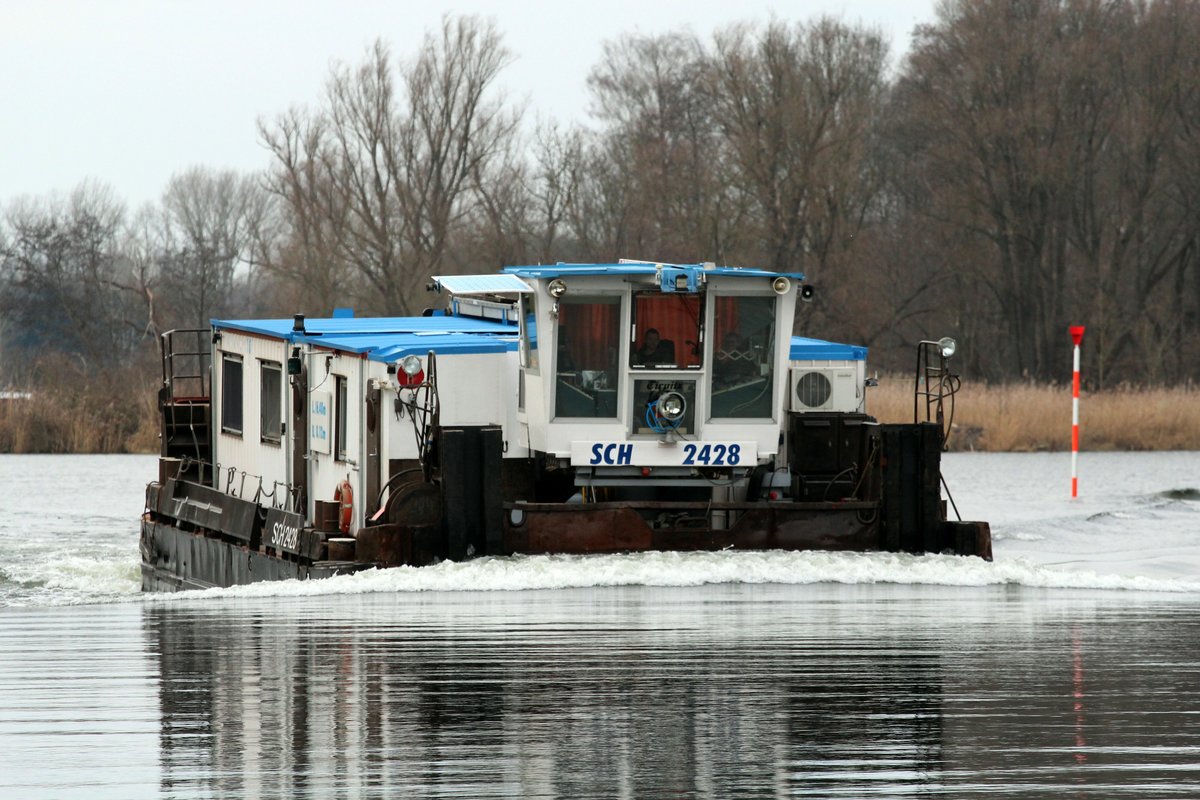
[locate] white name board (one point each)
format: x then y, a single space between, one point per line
655 453
320 427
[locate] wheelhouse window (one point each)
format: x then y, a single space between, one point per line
340 428
529 342
743 366
231 394
271 397
667 331
587 374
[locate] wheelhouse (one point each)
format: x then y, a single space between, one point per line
651 355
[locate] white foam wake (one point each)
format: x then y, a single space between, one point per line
519 573
66 578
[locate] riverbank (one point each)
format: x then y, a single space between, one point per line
1025 417
119 416
112 414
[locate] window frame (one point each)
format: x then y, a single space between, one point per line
598 297
227 422
527 306
701 331
341 418
711 377
265 366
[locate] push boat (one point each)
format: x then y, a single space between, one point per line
573 408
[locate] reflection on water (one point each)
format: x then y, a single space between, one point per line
733 690
708 692
78 706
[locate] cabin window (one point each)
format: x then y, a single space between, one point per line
743 365
529 343
271 381
340 407
231 394
587 374
666 331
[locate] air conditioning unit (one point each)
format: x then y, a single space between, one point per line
825 389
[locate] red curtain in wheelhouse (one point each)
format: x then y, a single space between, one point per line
676 317
726 319
589 335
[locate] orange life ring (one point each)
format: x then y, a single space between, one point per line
345 495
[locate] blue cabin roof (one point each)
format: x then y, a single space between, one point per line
388 339
806 349
643 268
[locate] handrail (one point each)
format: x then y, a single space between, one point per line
186 366
936 383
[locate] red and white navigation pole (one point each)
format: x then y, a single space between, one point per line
1077 338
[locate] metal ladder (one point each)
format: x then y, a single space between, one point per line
185 402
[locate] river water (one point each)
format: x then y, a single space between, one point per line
1066 668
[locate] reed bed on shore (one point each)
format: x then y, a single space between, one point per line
1025 417
119 415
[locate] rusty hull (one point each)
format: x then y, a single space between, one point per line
622 527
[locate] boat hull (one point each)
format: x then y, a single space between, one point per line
174 559
177 560
625 527
195 536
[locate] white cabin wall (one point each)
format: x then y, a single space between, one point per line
399 436
472 389
536 411
396 434
482 389
783 351
475 389
509 386
326 471
248 453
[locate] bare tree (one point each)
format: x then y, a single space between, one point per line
307 266
383 175
500 229
1184 167
656 176
558 173
141 248
1045 130
62 277
212 229
796 105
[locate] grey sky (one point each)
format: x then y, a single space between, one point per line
129 92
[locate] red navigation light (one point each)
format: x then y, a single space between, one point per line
1077 334
410 372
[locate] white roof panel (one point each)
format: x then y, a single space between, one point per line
482 284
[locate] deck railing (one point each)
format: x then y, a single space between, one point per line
186 364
